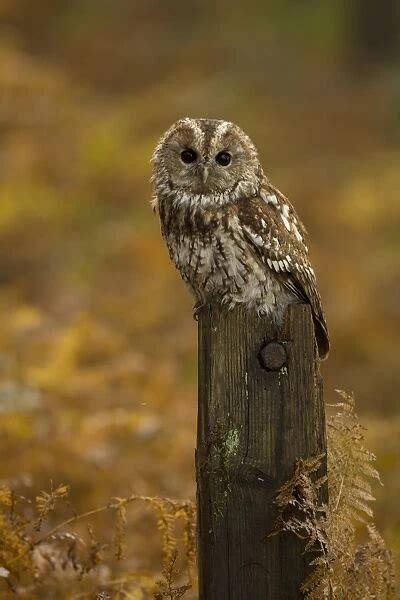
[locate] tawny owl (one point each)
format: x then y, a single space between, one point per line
234 237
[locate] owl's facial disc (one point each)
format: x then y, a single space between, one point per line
203 156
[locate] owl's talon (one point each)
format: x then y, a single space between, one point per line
196 309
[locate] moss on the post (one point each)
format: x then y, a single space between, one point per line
231 445
225 448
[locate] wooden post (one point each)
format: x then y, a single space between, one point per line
260 408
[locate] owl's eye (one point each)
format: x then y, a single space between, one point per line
188 155
223 158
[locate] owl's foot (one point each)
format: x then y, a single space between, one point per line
196 309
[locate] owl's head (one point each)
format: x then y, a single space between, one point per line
208 157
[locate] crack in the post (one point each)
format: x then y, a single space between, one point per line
246 380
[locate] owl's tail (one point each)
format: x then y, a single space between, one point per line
322 337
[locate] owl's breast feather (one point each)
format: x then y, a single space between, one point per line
216 261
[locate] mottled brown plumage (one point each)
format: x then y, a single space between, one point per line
233 236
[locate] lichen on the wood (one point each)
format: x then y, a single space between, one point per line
231 445
225 447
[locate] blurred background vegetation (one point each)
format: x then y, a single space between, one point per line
98 346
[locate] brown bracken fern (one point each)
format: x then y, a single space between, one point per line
58 554
343 568
167 587
46 502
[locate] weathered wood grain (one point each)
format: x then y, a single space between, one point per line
253 424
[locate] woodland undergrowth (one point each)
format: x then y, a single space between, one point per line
41 554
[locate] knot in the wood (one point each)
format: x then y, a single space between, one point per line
273 356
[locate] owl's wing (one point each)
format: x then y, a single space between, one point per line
271 226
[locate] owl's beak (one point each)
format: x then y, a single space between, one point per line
205 173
